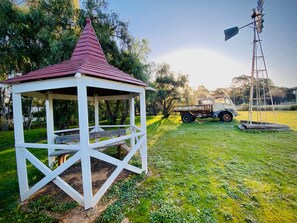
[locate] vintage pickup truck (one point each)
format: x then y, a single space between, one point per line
218 107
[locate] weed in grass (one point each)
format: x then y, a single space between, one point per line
250 219
135 161
114 213
167 213
161 163
207 215
193 198
35 211
210 197
64 207
47 203
124 191
227 216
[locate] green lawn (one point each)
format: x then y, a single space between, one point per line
199 172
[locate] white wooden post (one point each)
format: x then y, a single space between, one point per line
84 141
132 121
50 126
19 138
96 106
143 149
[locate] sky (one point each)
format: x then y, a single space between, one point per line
189 35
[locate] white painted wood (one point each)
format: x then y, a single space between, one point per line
84 141
114 85
3 85
113 161
50 127
68 97
143 150
117 171
49 175
69 190
18 117
132 121
49 146
74 97
35 95
19 138
114 97
142 112
93 135
85 150
58 181
66 130
113 126
136 128
45 85
110 141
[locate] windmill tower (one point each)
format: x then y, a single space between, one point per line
260 100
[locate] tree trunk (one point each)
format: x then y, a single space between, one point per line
8 121
5 111
112 115
124 112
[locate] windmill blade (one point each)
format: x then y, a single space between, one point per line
260 6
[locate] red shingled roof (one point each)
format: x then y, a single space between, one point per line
87 58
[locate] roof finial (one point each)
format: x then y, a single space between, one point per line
88 20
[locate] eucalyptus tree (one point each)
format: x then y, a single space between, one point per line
201 92
169 87
43 32
241 88
121 50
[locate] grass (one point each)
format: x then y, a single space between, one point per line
8 176
199 172
212 172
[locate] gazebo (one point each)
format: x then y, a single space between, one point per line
85 77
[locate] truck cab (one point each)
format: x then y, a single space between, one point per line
224 109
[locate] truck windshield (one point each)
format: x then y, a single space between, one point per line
219 100
227 101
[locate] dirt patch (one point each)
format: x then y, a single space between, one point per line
100 173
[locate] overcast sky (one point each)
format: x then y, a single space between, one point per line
189 35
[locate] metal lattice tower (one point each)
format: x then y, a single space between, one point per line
260 90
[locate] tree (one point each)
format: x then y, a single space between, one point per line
45 32
36 36
169 87
201 92
241 88
278 94
152 105
219 92
5 107
121 50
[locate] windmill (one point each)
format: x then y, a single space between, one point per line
260 100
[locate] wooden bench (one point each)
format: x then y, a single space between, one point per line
74 138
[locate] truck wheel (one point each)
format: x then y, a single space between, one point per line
187 118
226 117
